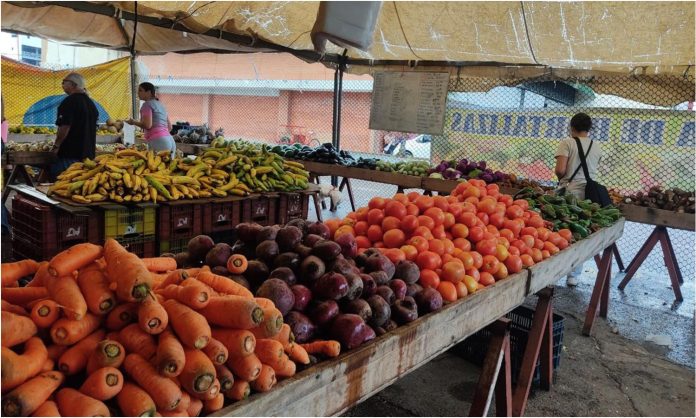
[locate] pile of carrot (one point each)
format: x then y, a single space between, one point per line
147 339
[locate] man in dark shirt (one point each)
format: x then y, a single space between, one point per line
77 125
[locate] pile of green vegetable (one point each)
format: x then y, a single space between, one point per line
582 217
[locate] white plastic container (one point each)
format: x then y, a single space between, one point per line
345 23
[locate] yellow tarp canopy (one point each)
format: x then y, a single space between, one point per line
620 37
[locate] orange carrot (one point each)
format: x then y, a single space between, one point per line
55 351
266 379
175 413
198 372
158 264
238 342
296 353
45 313
193 296
163 391
157 279
107 353
121 316
225 377
240 390
184 403
103 384
214 404
23 295
245 367
15 309
67 332
211 393
41 276
26 398
237 264
133 401
174 277
216 351
76 404
190 326
152 317
65 291
135 340
48 365
269 351
47 409
271 324
285 335
224 285
95 289
74 258
74 359
171 357
133 281
328 348
195 407
286 368
12 272
16 329
16 368
233 312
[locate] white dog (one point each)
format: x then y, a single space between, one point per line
327 190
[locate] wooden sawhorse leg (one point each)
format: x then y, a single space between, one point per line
539 346
615 250
18 170
600 293
660 235
346 183
496 375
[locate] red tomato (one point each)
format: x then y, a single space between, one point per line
527 260
521 203
467 259
390 222
474 273
424 202
486 247
423 231
420 243
426 221
428 278
362 241
396 209
513 264
395 255
453 271
501 252
377 203
410 252
394 238
528 230
462 243
409 223
514 211
449 220
475 234
374 233
448 291
468 219
513 250
483 216
491 264
428 260
486 279
497 219
412 209
375 216
502 272
437 246
478 259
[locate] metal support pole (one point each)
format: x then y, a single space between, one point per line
134 89
338 93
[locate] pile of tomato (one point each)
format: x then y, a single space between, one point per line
462 242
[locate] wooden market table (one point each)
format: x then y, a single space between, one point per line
332 387
19 160
662 219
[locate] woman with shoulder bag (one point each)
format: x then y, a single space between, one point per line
571 175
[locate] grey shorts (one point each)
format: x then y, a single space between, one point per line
162 143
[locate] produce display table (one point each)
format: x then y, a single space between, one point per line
662 219
101 139
19 162
332 387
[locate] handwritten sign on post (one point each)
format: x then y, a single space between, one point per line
409 102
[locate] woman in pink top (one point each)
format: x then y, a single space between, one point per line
154 120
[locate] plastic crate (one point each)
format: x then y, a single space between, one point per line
260 209
475 347
220 218
292 206
124 222
142 246
177 224
177 245
42 231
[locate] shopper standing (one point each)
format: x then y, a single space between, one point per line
154 120
568 164
77 126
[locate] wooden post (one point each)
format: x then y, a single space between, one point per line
346 183
538 336
660 235
599 290
617 256
496 374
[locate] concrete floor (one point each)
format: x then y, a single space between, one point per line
616 372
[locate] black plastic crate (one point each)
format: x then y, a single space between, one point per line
177 224
42 231
260 209
221 217
292 206
475 347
